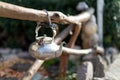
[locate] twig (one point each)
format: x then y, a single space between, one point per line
22 13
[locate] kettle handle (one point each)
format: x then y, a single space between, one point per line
36 30
51 25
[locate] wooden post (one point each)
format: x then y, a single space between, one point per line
100 5
64 57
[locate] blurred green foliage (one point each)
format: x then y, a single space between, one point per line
112 23
20 33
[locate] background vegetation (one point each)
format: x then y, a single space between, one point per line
18 33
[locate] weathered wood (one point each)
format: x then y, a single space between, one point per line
89 41
63 34
100 9
64 57
99 65
89 34
85 71
90 28
97 50
32 70
22 13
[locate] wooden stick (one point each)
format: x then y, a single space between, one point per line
22 13
64 57
33 69
76 52
63 34
100 9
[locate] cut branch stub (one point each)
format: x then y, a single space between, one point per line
58 17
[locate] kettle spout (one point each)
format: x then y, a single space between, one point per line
59 52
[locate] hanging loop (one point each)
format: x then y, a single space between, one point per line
51 25
36 30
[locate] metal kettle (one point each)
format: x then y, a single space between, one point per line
44 47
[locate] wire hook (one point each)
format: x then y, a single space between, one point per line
52 26
50 23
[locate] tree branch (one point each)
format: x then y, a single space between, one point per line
76 52
32 70
22 13
63 34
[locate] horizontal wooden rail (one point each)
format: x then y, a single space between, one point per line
22 13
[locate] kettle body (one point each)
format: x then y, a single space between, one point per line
46 50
